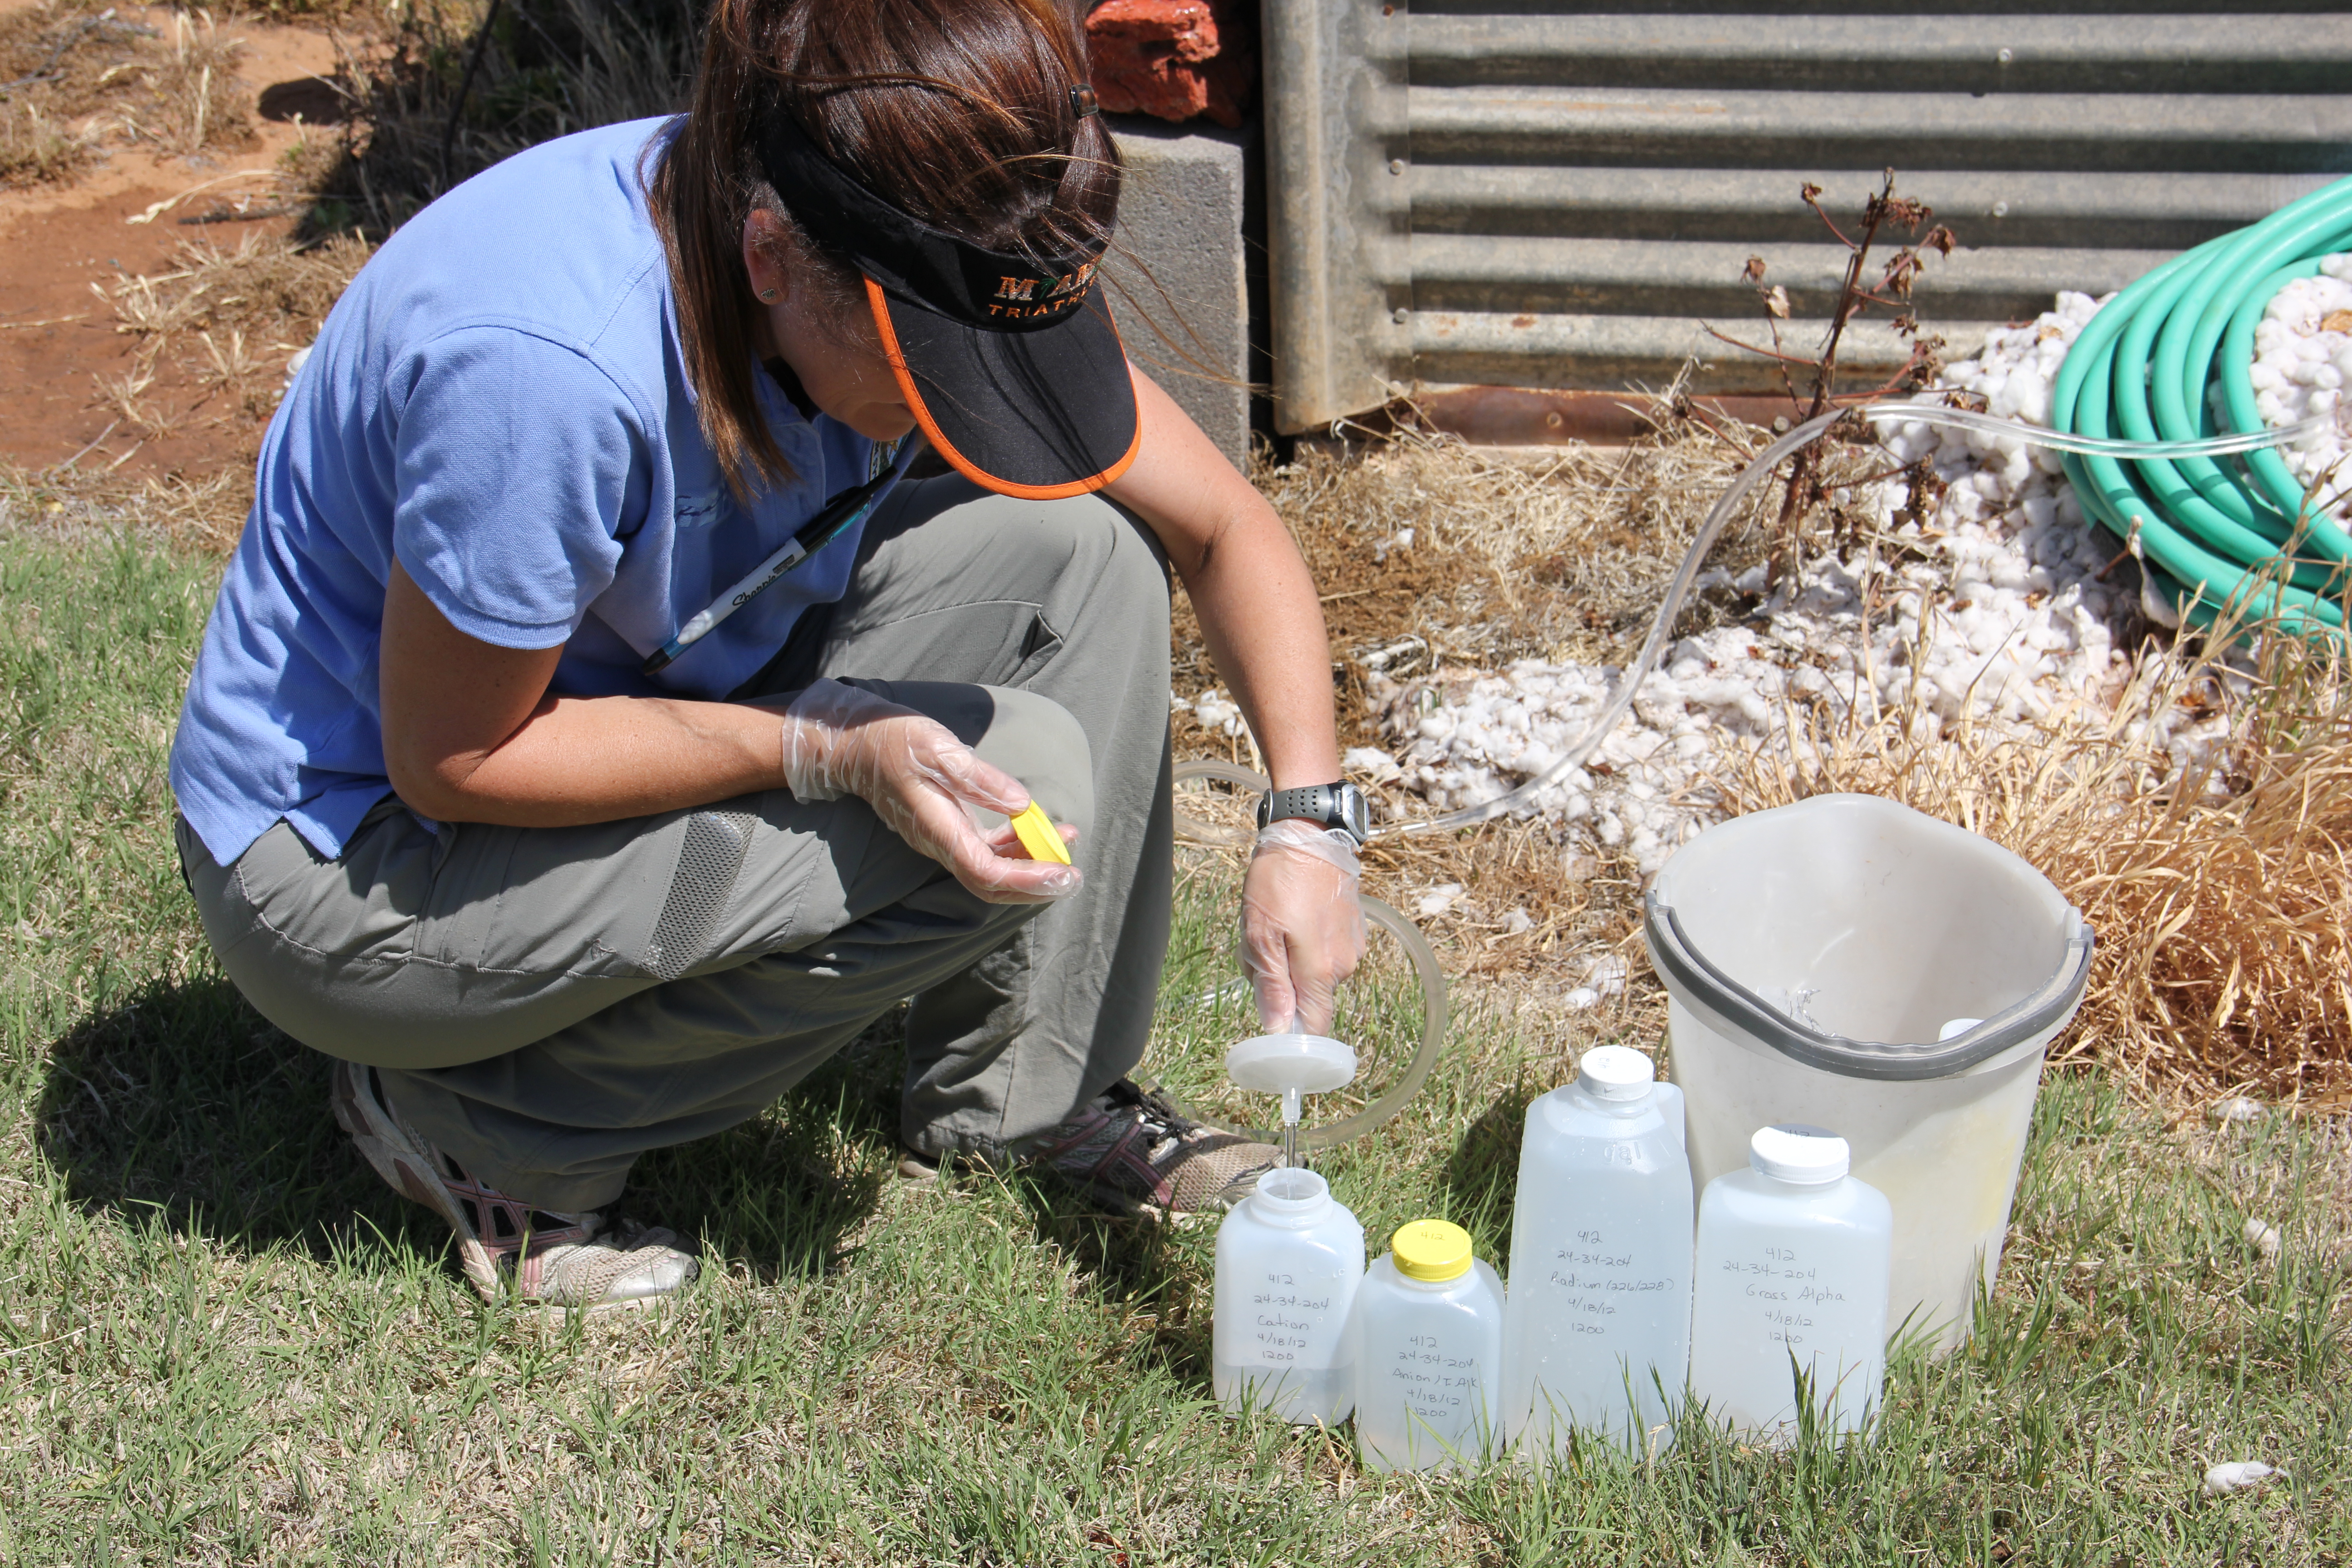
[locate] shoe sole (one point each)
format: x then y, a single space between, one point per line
399 1156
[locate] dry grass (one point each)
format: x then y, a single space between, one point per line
197 101
74 74
1433 555
62 66
204 513
2223 905
38 150
225 320
1430 553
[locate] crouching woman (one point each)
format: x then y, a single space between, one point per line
598 727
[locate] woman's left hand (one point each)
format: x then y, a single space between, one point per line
1302 926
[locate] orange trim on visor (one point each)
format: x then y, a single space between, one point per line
963 465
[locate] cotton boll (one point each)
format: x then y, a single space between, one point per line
1217 712
2237 1476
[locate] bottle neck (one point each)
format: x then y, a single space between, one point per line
1575 1094
1779 1185
1434 1287
1291 1199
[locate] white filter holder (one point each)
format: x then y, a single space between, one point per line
1291 1066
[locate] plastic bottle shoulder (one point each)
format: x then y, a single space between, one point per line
1750 1196
1334 1230
1478 1286
1569 1112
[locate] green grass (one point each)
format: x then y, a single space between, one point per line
223 1342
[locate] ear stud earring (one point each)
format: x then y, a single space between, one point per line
768 295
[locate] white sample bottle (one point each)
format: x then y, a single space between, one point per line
1289 1258
1429 1352
1598 1317
1793 1256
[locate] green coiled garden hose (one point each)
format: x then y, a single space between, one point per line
2170 358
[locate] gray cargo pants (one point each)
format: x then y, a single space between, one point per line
547 1004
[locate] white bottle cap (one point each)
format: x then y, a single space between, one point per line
1614 1072
1807 1156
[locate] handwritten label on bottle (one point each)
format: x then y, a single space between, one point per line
1783 1289
1287 1316
1598 1280
1438 1384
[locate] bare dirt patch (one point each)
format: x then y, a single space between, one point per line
71 243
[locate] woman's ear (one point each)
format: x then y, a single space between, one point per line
760 237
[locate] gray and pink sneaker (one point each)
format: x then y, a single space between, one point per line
1136 1153
557 1261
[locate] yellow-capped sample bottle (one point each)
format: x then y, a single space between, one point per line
1429 1352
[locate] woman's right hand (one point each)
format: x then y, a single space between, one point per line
921 782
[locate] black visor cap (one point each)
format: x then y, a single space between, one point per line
1011 363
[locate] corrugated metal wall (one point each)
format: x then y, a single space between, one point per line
1534 193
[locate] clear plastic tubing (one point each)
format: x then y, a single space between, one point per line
1720 515
1429 1352
1289 1259
1793 1255
1596 1330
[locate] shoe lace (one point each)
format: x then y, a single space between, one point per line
1155 1115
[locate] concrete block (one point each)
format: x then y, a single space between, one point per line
1179 286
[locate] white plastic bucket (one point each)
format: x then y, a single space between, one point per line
1814 954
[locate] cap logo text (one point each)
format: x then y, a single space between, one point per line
1075 280
1014 288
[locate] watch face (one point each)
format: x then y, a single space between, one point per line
1353 814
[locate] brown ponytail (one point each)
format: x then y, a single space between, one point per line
960 111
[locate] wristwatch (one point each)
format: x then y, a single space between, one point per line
1340 805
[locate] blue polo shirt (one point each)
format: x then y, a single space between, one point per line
497 403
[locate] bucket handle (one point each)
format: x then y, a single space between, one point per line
1681 961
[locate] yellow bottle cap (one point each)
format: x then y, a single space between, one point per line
1432 1249
1040 836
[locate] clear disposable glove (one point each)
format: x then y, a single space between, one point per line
1302 926
922 783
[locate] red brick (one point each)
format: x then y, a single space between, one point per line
1175 58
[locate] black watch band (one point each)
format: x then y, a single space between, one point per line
1340 805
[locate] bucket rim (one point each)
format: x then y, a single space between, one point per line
2040 1013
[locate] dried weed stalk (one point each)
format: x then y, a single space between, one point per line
1805 489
